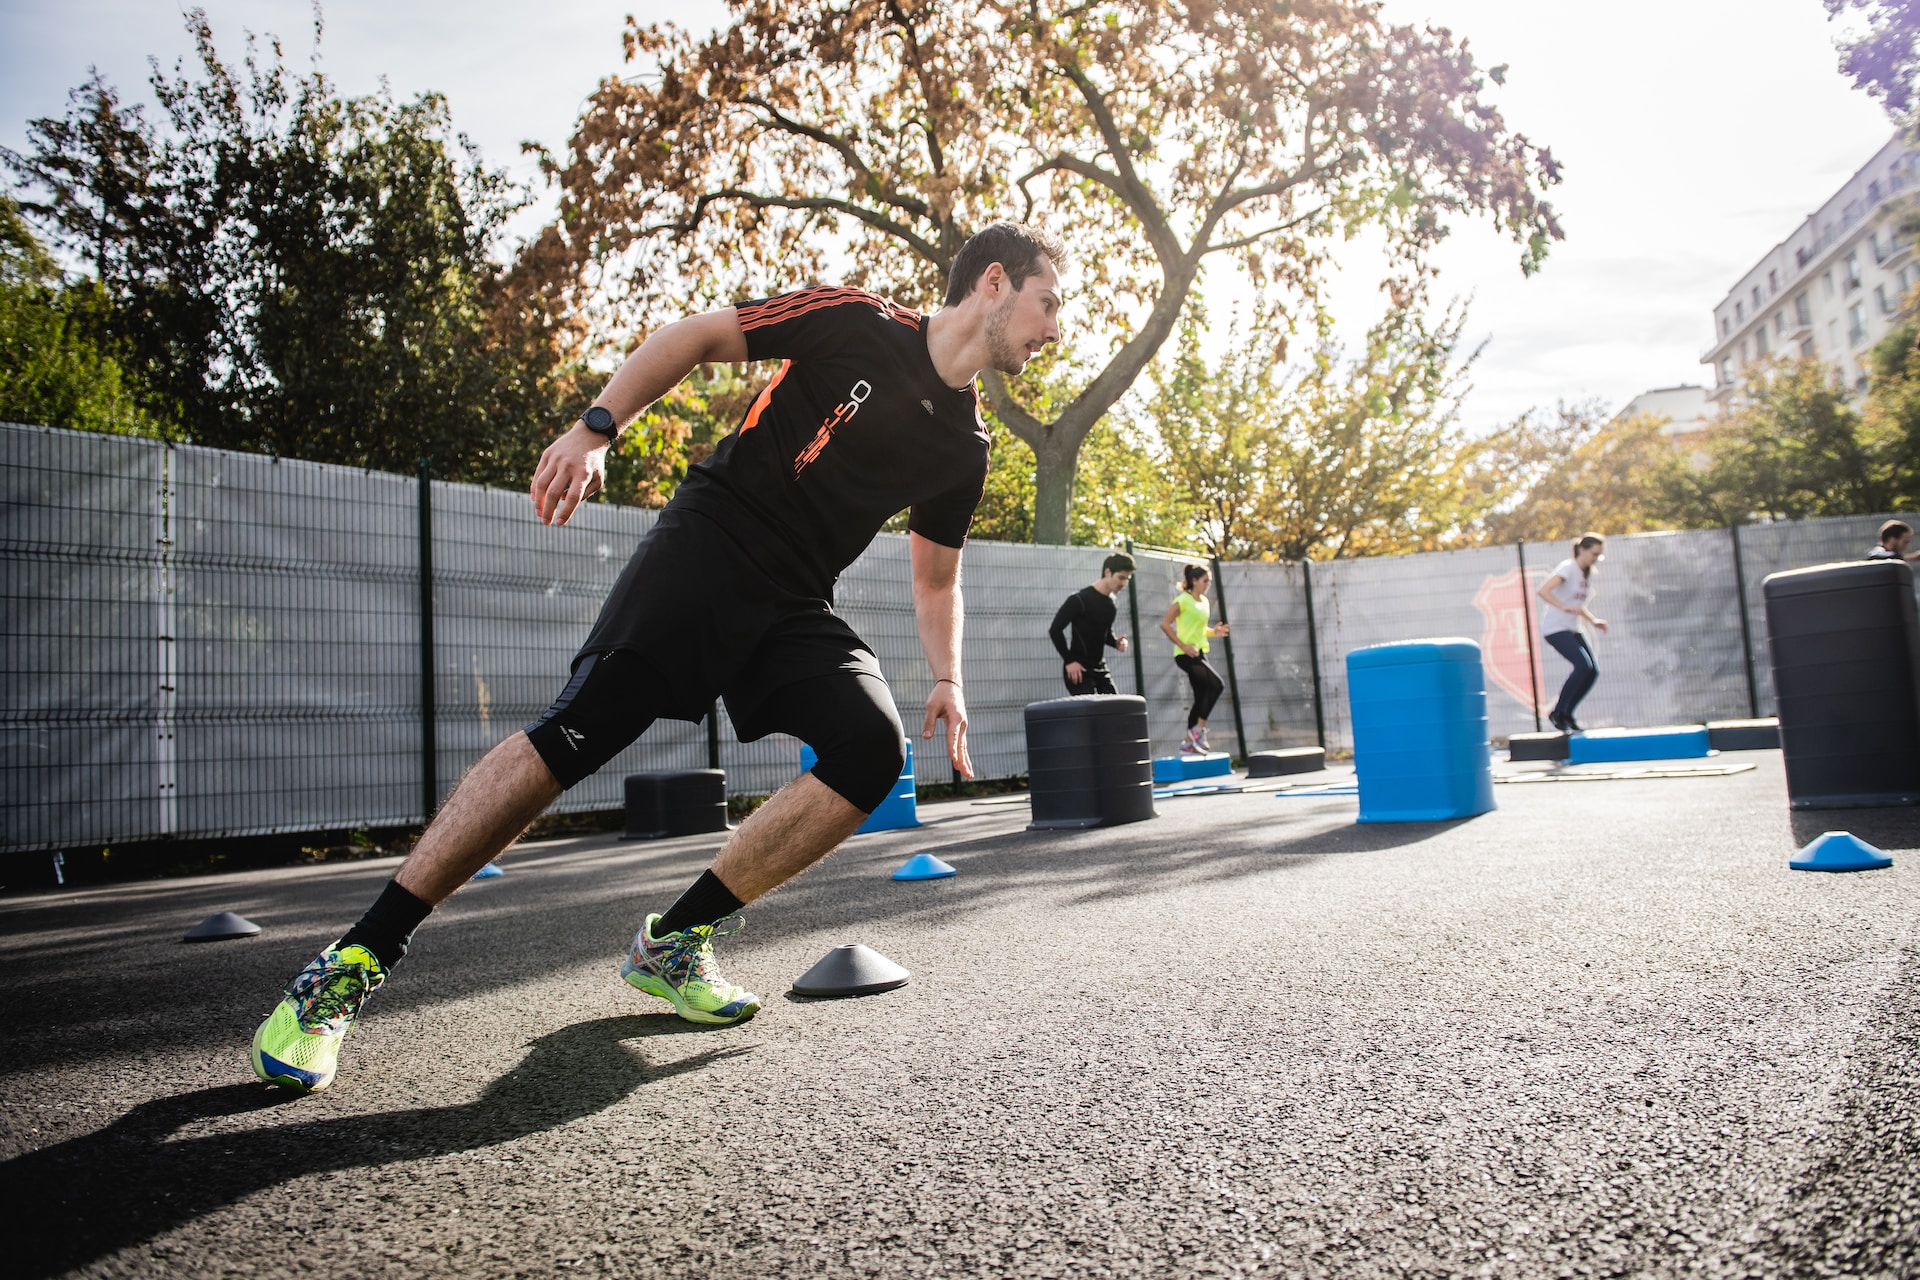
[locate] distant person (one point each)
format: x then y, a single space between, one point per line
1090 612
1187 622
1566 592
1895 536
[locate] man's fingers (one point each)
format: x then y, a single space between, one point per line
957 740
926 728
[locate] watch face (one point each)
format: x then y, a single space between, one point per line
598 419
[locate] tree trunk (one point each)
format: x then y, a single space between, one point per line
1054 466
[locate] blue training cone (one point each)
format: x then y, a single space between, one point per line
924 866
1839 851
488 872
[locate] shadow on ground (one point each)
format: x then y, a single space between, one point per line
131 1181
1882 828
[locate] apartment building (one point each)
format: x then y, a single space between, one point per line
1831 289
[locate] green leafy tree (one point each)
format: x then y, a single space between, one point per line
1579 469
865 141
1792 446
1335 458
294 272
55 369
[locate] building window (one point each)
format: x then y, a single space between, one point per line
1760 343
1880 296
1740 312
1773 283
1756 299
1852 269
1802 310
1744 357
1857 323
1806 348
1873 191
1724 326
1726 371
1779 322
1826 278
1833 335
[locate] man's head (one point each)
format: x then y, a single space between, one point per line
1895 535
1011 272
1115 572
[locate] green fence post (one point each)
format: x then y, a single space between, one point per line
429 747
1746 623
1313 657
1526 614
1133 608
1226 643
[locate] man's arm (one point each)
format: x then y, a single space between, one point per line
575 466
937 609
1066 614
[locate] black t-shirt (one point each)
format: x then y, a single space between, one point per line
1090 611
854 428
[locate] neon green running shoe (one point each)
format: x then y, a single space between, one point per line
299 1044
679 968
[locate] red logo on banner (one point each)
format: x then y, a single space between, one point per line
1504 645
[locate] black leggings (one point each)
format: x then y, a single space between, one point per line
1573 646
1207 686
847 717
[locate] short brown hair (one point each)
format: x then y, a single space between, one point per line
1118 562
1016 246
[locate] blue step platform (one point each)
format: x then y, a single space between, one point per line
1610 746
1420 743
898 811
1185 767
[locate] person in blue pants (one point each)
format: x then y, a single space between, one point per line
1566 593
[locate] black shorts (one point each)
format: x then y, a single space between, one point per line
694 607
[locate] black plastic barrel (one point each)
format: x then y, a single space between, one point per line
675 804
1845 646
1089 763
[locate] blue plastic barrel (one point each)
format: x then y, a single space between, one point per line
901 807
1420 743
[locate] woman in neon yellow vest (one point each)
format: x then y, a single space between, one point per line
1188 623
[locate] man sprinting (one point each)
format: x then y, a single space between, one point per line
873 411
1089 612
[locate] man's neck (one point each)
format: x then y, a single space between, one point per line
1102 587
957 355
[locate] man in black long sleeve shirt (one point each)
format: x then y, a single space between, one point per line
1089 611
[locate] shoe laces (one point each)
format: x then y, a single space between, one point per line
328 993
688 955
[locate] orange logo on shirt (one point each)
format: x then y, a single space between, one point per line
842 414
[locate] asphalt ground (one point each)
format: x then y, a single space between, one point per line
1601 1031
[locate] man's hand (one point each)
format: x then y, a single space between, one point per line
947 704
1599 623
1121 644
573 469
1075 673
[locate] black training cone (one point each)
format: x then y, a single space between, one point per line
221 924
850 970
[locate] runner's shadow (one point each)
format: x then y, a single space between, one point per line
84 1199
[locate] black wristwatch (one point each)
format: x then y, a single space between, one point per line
600 422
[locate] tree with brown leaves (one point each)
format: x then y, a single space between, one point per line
865 139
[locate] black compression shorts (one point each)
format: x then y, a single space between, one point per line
693 619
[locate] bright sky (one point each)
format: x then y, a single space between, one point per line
1695 135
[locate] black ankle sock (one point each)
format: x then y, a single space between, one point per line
388 925
705 902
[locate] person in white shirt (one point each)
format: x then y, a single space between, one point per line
1566 592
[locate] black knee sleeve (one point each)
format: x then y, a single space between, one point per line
596 717
849 721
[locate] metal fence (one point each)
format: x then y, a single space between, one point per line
207 643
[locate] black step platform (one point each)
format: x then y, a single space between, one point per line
1537 746
1274 764
1744 735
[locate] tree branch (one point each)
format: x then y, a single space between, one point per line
844 149
878 221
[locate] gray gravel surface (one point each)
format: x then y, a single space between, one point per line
1600 1031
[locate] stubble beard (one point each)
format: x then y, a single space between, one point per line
1002 354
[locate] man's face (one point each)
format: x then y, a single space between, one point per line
1025 320
1116 582
1898 543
